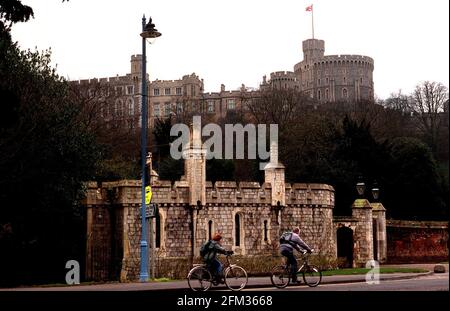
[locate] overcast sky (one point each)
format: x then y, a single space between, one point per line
238 41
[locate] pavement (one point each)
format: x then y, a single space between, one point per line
253 282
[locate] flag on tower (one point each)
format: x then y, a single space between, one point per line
309 8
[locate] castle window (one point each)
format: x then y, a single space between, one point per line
130 90
211 107
130 104
237 230
167 91
210 230
178 91
266 231
327 94
167 109
345 80
156 92
319 95
156 110
118 90
231 104
118 108
344 93
318 82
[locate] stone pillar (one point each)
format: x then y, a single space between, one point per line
92 200
379 215
195 172
363 235
274 174
195 165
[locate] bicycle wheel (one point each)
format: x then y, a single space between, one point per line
280 276
312 275
236 278
199 279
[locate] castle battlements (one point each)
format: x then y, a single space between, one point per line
117 79
359 59
223 192
283 75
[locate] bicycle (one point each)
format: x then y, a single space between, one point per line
234 277
281 275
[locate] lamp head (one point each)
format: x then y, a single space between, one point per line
150 31
375 191
360 186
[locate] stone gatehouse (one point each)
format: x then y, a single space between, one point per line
249 215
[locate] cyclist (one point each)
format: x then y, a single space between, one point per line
210 250
289 241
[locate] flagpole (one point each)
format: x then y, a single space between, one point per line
312 18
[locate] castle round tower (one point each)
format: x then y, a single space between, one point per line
281 80
331 78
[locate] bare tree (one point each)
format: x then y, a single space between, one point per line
113 121
427 105
275 106
398 102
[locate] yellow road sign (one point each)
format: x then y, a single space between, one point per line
148 194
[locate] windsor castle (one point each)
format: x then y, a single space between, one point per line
323 78
250 215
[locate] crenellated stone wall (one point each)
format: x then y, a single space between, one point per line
250 216
308 206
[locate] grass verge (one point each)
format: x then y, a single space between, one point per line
364 271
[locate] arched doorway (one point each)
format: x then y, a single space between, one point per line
345 246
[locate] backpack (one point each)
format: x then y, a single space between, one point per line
286 238
205 251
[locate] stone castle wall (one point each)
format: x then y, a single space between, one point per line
250 216
309 207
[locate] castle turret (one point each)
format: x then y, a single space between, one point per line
274 174
313 49
195 165
136 66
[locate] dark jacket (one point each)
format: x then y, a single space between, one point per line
213 249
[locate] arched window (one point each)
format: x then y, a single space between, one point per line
237 230
210 230
327 94
319 95
130 107
344 93
118 108
266 231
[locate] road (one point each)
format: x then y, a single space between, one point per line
435 282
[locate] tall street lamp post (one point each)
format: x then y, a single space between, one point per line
148 32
